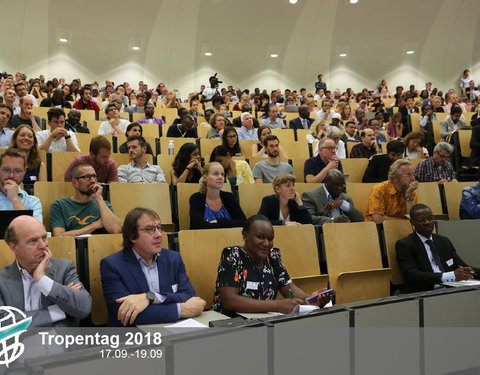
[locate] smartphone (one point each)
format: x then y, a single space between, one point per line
314 297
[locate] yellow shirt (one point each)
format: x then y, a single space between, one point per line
244 173
385 200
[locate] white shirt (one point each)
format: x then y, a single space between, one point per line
57 144
106 128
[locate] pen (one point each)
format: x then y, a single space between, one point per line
472 272
291 293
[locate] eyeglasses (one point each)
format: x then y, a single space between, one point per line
329 148
232 136
408 175
87 177
150 229
16 171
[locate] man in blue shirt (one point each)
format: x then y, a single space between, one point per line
145 283
316 168
6 113
470 203
13 165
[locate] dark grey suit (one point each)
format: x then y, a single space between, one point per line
76 304
315 201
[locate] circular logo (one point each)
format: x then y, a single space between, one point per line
13 322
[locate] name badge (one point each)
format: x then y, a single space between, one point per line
174 288
252 285
33 178
450 262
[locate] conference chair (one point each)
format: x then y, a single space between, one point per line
48 192
354 261
126 196
201 251
354 167
250 197
60 162
360 193
302 266
453 196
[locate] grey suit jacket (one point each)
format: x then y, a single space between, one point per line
76 304
315 201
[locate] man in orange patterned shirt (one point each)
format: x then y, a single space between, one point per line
392 199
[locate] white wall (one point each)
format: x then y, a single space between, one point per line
446 36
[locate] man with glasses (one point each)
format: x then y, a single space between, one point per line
13 165
393 199
57 138
437 168
85 212
316 168
145 283
428 259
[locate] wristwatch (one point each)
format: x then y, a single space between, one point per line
68 136
150 297
409 198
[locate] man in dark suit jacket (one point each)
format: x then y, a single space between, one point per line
379 165
329 203
427 259
46 289
165 295
303 121
237 121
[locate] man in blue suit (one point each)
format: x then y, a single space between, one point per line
303 121
144 283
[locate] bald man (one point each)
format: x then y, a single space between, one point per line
44 288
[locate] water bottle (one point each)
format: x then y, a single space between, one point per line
171 149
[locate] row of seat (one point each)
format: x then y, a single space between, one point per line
172 203
360 258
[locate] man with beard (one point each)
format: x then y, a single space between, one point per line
265 171
393 199
85 212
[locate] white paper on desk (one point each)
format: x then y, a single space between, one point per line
309 308
462 283
304 308
187 323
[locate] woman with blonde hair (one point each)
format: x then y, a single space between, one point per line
24 139
285 207
317 131
171 101
211 207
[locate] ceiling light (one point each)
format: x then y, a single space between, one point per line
136 48
274 55
410 52
343 55
292 1
63 40
208 54
353 1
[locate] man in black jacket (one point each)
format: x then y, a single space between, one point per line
426 259
379 165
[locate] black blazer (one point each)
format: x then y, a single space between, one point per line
271 208
416 267
197 210
377 169
475 146
296 123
